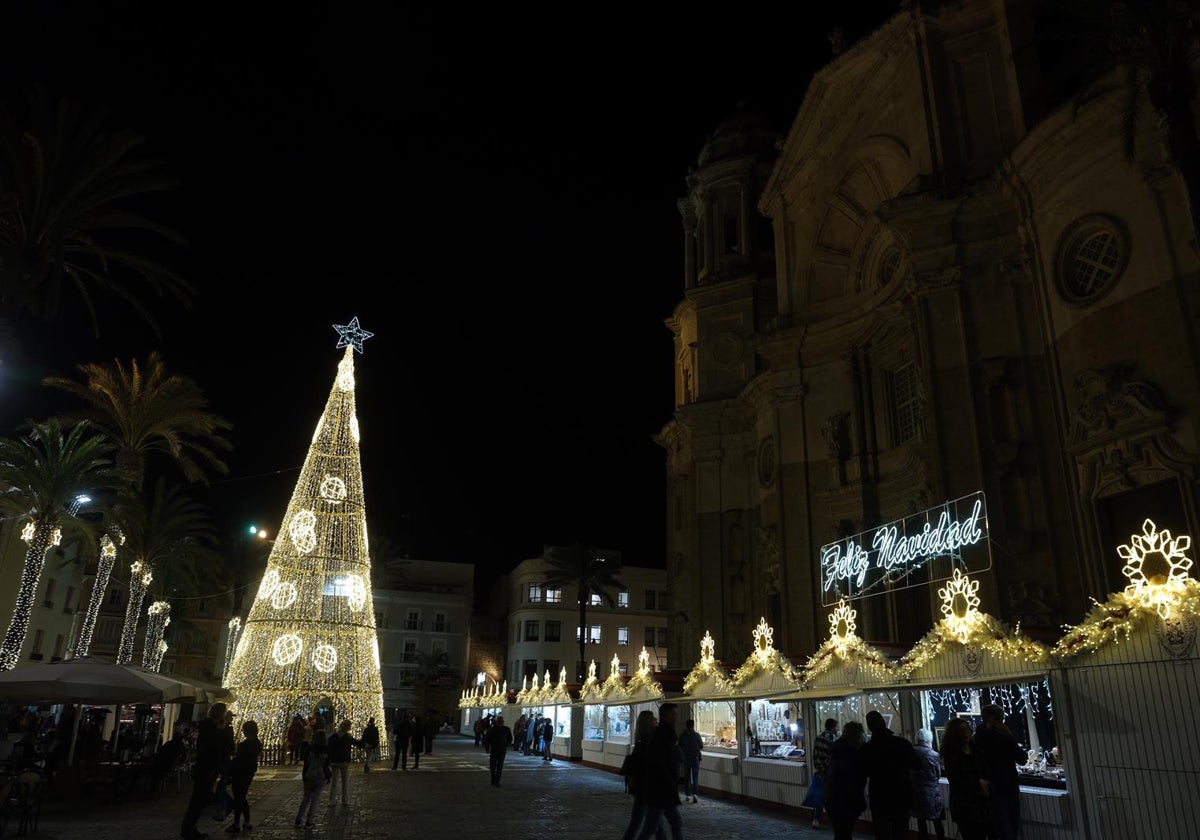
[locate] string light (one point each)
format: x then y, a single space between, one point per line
38 536
139 581
707 669
231 646
158 616
764 659
104 567
844 645
310 634
642 685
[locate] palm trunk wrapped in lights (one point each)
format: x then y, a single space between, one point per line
41 537
139 582
310 633
235 632
108 558
158 616
156 661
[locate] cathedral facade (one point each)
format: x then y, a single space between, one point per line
941 281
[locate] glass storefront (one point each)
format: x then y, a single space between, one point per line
593 722
774 730
716 721
562 721
856 706
618 725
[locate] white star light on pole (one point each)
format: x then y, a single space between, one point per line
352 334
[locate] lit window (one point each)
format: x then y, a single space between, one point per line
535 593
623 669
596 600
622 635
595 635
623 600
554 595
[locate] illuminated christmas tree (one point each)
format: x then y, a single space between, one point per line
309 639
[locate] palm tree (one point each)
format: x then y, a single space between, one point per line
1151 49
589 572
171 541
146 410
41 476
431 669
65 225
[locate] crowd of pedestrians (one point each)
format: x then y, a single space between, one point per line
897 779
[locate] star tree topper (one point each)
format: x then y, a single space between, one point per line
352 334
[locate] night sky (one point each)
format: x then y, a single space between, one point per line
491 193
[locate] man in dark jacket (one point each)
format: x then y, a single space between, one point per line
1000 754
887 762
210 755
401 735
498 739
661 785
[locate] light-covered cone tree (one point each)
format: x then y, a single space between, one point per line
309 640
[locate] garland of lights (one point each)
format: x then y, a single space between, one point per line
158 616
41 537
104 567
844 645
139 582
642 685
614 685
310 632
764 659
235 631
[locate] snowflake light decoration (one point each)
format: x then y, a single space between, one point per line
1157 567
324 658
303 531
284 596
842 625
763 636
708 649
643 663
269 582
356 598
960 605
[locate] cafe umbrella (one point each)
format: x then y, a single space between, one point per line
93 681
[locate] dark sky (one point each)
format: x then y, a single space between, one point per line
491 193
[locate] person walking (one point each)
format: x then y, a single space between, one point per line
429 730
520 731
242 770
844 781
401 736
340 746
370 742
294 738
927 792
418 740
499 739
315 775
547 739
535 732
634 771
968 798
210 756
662 776
691 745
888 762
999 755
822 744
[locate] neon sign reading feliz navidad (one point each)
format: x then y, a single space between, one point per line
872 560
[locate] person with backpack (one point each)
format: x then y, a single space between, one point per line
315 775
498 739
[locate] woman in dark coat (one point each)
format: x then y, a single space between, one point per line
927 793
634 771
968 799
418 740
844 782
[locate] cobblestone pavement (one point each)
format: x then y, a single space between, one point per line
448 797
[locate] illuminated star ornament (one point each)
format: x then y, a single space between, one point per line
708 648
842 624
763 635
1156 567
352 335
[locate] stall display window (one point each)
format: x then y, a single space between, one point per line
618 724
1028 713
774 730
593 723
716 721
856 706
562 721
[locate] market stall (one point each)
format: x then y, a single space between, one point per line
624 701
1131 754
772 735
556 705
970 659
591 701
706 688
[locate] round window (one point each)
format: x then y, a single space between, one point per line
1095 252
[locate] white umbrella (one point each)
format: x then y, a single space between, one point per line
99 682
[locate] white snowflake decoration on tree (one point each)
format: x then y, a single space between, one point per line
287 649
960 605
303 531
284 596
333 490
356 597
325 658
269 582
